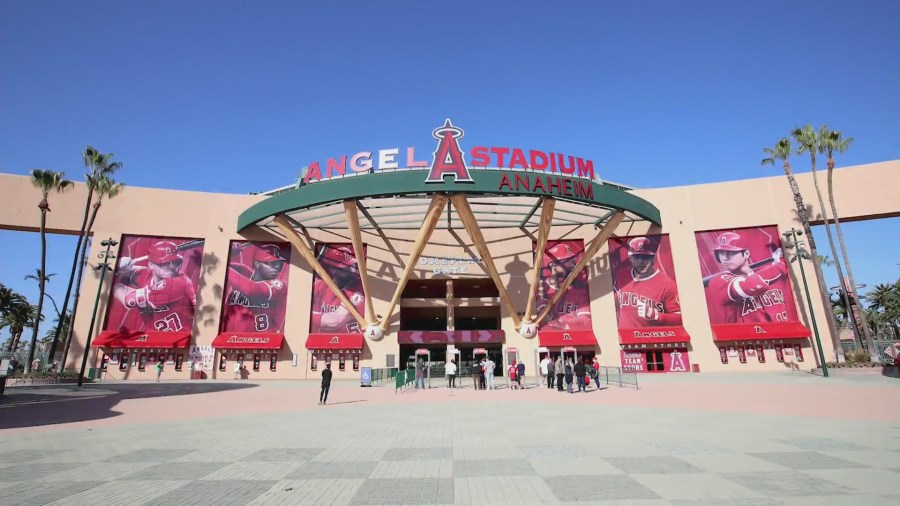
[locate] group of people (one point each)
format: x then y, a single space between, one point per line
580 373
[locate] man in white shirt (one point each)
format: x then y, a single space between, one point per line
545 366
489 366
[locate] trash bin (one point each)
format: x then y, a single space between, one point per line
93 373
197 375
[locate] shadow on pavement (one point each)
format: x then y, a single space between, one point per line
55 404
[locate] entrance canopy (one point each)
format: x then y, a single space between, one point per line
760 331
254 341
126 339
335 342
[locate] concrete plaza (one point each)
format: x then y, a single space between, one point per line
719 439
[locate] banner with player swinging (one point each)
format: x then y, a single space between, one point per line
748 291
154 293
255 302
332 328
569 322
648 308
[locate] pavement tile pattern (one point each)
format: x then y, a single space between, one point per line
438 450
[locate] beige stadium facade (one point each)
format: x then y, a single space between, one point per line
862 192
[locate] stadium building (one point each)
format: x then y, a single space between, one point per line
375 258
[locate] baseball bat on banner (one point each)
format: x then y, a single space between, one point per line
181 247
754 265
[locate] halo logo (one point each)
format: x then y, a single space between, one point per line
448 158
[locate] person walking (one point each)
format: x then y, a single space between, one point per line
159 369
513 376
326 384
489 367
237 370
545 368
559 367
580 371
551 372
569 375
595 367
451 374
520 367
420 374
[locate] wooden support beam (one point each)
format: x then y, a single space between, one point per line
589 253
360 252
468 218
284 225
431 219
549 205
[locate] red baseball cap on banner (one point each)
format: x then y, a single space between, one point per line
163 252
337 257
730 241
641 246
267 253
558 253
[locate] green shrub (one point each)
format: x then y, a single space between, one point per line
857 356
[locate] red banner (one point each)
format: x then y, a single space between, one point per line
256 287
154 285
573 310
745 278
328 315
647 305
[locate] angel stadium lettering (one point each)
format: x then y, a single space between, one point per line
449 160
247 340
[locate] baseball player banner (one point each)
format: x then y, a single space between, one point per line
155 285
256 287
573 311
329 316
746 280
647 305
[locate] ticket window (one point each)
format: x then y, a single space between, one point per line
655 362
104 363
356 361
760 354
342 362
179 361
123 361
240 359
742 354
142 364
314 362
223 361
328 358
723 354
798 352
779 353
256 359
273 361
134 358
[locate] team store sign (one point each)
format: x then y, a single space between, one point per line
449 160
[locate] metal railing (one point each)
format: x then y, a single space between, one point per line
384 374
404 379
616 376
883 347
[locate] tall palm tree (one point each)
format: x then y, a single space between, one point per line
18 319
99 165
104 187
47 181
885 299
831 141
13 314
782 151
808 140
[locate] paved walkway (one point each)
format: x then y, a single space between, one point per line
718 439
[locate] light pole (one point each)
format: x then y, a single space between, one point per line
103 266
800 255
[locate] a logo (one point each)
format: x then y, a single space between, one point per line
335 340
448 158
247 340
142 339
677 363
567 337
759 330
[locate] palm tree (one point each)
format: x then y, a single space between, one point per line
47 182
103 187
99 165
829 142
885 299
60 323
783 150
808 141
12 313
21 316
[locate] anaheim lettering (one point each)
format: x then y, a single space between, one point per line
547 184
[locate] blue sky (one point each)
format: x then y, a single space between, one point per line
230 96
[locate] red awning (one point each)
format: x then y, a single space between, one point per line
335 342
450 336
760 331
126 339
648 335
554 339
248 341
